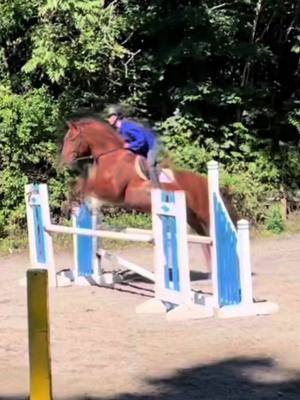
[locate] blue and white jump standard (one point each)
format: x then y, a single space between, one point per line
230 254
86 239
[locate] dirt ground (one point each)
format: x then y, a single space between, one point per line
101 349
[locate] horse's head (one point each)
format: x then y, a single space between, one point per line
75 144
89 137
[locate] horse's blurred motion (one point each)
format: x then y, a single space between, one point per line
114 178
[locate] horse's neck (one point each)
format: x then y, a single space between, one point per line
102 141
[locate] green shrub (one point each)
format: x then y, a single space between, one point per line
28 153
274 220
120 219
251 196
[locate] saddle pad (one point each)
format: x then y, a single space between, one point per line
166 175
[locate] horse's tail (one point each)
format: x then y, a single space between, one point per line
227 198
196 189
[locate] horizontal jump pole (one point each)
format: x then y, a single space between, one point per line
128 264
98 233
191 238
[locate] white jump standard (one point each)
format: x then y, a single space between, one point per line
87 255
230 253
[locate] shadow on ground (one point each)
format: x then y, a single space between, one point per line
233 379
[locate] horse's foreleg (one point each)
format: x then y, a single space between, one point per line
138 197
74 197
206 249
80 190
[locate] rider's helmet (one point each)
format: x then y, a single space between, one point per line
114 109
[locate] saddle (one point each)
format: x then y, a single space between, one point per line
166 175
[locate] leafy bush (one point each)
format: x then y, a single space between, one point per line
28 150
274 220
180 138
250 173
120 219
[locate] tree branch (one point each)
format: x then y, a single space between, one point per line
265 30
128 38
219 6
129 60
255 23
246 70
294 20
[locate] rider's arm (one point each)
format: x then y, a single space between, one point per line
134 135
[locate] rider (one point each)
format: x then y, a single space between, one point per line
138 138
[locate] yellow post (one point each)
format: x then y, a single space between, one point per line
38 335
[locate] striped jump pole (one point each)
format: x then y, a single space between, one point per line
39 335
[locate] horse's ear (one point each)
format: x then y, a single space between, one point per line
73 128
70 124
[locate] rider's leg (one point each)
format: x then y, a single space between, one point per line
152 162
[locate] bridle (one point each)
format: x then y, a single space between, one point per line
95 158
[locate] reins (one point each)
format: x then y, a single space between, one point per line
96 157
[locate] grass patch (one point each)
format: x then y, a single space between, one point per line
123 219
291 227
13 244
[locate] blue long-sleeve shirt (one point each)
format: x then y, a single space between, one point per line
139 138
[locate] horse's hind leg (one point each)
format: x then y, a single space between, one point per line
200 227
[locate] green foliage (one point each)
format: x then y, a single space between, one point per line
75 37
13 243
250 192
27 149
179 139
121 219
220 80
274 220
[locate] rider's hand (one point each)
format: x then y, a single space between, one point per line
126 145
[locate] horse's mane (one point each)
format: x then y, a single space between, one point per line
94 119
86 118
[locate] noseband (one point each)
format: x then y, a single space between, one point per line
96 157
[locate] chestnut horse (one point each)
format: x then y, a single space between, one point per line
114 178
